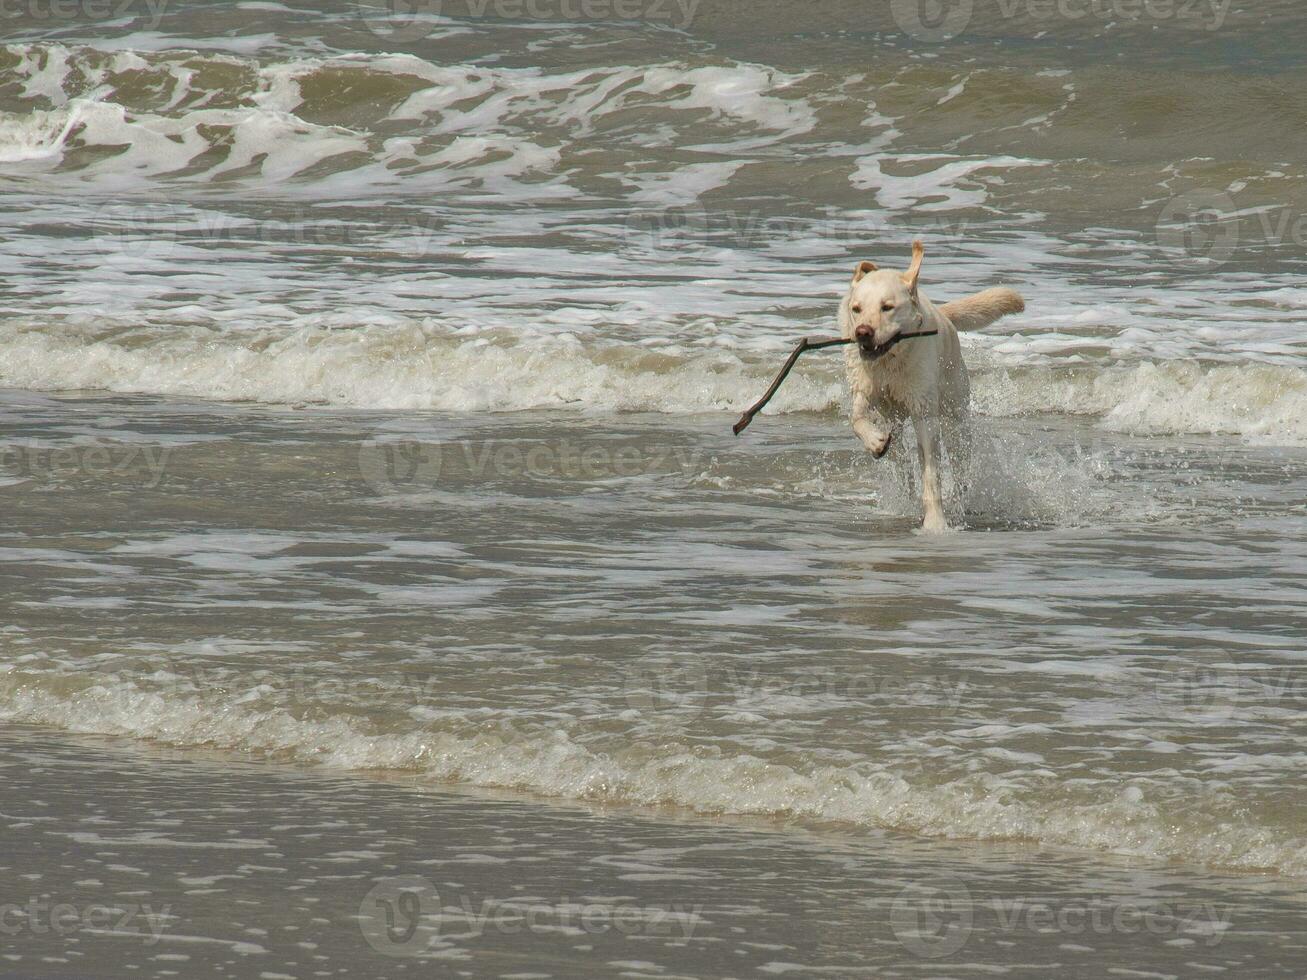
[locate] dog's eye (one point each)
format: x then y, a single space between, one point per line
887 306
857 309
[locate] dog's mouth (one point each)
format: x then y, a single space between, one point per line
870 350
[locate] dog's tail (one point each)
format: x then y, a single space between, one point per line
983 308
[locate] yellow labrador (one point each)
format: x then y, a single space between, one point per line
922 379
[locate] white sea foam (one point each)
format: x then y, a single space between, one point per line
39 135
412 367
406 368
472 113
985 806
949 183
1264 403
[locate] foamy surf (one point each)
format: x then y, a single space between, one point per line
1262 403
1017 805
199 117
415 367
395 356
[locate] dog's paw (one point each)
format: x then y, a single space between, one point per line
934 523
879 448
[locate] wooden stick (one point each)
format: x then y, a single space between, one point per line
807 343
814 343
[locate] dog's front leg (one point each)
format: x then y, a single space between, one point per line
871 427
932 498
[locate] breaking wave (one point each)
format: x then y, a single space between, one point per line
419 367
983 806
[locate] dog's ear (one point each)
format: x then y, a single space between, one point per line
863 268
914 270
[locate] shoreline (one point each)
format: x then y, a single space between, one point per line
561 887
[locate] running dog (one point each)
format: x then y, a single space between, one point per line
923 379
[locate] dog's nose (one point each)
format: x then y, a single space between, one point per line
864 331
